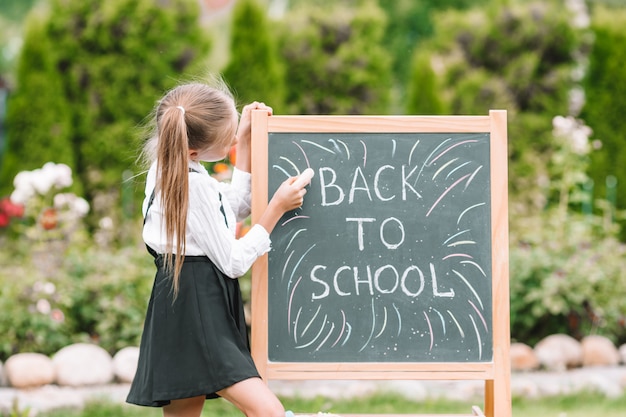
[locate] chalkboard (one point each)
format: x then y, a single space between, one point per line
389 259
396 266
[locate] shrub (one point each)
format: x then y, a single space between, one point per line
566 277
100 297
566 266
254 71
32 319
105 295
605 87
337 63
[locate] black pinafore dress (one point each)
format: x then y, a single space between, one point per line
196 344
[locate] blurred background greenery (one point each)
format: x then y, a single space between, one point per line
79 77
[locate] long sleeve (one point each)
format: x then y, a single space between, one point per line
210 231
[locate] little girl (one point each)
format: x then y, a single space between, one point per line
195 344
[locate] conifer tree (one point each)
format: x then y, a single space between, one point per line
255 71
37 130
89 74
337 63
423 92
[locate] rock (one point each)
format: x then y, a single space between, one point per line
83 364
125 364
622 353
28 370
523 358
599 351
559 352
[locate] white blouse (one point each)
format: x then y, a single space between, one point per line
207 232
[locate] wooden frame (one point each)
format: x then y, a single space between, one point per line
495 374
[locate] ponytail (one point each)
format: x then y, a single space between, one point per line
173 184
192 116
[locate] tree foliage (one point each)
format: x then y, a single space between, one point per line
423 92
605 88
40 127
566 266
336 61
516 57
255 71
411 23
89 73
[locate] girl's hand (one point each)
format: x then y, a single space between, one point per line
244 132
289 196
244 135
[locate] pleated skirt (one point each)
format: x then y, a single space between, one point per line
196 344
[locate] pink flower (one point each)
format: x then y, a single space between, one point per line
57 315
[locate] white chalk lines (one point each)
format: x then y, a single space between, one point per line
315 324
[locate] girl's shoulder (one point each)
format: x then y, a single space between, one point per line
204 184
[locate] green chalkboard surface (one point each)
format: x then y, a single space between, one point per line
389 259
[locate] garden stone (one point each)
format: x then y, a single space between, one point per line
622 353
523 358
83 364
599 351
28 370
559 352
125 363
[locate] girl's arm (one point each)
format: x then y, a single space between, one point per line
289 196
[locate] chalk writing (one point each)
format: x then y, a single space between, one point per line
389 258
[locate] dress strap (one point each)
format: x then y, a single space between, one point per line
150 250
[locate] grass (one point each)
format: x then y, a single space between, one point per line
578 405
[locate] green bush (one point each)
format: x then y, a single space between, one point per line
566 277
423 92
605 88
566 267
107 294
88 73
337 63
31 319
255 72
96 295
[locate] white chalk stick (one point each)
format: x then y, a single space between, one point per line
304 178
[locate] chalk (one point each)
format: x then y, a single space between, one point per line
304 178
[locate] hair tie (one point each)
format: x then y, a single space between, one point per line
181 108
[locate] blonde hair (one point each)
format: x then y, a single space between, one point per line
193 116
